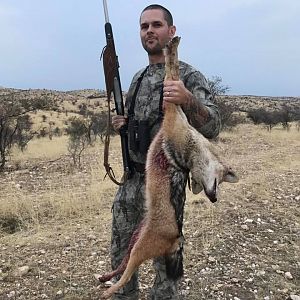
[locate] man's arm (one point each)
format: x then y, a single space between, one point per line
203 115
194 97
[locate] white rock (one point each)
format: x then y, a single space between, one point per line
12 294
21 271
294 297
245 227
288 275
211 259
248 221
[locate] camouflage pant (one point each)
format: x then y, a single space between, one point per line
128 211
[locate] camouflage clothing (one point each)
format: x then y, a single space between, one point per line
128 207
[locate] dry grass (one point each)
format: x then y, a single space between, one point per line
41 149
53 203
41 191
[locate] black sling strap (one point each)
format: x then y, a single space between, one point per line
137 87
132 102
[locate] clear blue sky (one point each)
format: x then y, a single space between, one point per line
254 45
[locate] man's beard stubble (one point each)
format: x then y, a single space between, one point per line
157 50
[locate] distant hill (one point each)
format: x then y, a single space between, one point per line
96 99
245 103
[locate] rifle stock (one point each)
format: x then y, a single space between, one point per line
113 85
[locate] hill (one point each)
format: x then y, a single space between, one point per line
96 99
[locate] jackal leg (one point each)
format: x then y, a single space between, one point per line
123 264
148 246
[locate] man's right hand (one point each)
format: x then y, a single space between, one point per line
118 121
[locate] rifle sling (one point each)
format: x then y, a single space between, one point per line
108 168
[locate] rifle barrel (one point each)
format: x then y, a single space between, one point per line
105 11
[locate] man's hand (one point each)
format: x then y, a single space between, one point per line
175 92
118 121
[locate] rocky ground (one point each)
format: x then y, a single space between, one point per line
245 247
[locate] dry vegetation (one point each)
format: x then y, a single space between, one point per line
55 220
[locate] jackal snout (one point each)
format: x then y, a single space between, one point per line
208 174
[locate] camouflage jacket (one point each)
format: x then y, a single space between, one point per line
148 97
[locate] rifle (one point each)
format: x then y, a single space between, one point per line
113 85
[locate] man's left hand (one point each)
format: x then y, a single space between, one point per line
175 92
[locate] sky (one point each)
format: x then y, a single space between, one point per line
253 45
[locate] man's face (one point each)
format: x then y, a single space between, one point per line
154 31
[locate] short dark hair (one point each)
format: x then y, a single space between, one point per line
166 12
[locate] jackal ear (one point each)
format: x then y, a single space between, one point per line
230 176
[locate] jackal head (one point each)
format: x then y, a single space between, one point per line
207 170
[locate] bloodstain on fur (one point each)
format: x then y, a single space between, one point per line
161 161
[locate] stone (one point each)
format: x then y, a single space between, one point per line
288 275
22 271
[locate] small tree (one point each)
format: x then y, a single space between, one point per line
270 118
79 138
226 110
286 116
99 125
15 123
216 88
226 114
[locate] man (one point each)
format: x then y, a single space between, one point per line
144 103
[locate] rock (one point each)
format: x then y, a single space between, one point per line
248 221
261 273
235 280
211 259
275 267
288 275
245 227
11 294
294 297
59 294
21 271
